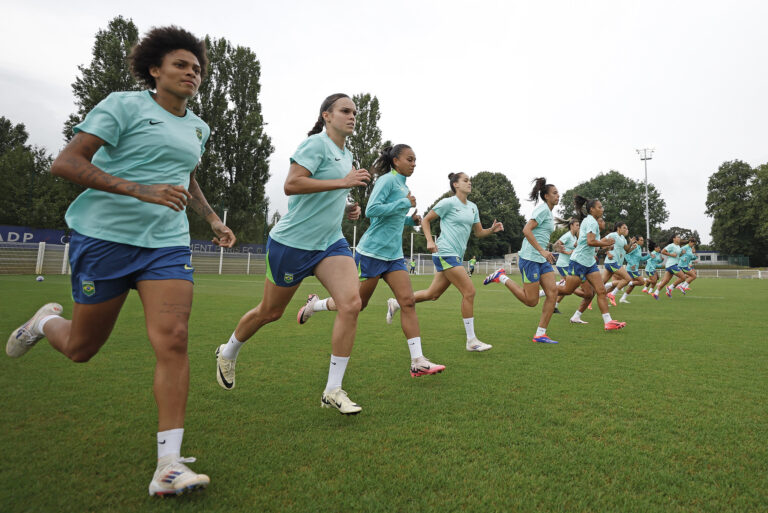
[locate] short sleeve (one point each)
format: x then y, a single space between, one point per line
477 214
310 154
594 228
540 215
106 120
443 207
206 135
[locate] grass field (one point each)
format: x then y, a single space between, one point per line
670 414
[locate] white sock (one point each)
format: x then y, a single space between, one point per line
336 372
169 442
414 346
557 303
645 289
321 305
608 286
542 293
469 325
503 279
606 318
41 324
576 316
232 348
624 296
540 331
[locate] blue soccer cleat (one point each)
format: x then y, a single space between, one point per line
494 276
544 339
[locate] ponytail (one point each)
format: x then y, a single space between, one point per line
326 106
540 188
452 179
385 162
583 206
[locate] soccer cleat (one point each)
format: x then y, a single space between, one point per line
337 398
494 276
614 325
476 345
611 298
590 305
556 310
225 369
544 339
578 321
392 307
684 290
423 367
173 477
306 311
624 300
655 296
27 335
668 291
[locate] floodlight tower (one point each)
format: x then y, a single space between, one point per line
646 154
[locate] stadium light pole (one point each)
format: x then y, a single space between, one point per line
646 154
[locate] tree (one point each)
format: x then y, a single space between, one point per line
495 198
365 144
235 166
736 196
623 200
663 236
109 70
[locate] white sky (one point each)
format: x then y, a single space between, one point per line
557 89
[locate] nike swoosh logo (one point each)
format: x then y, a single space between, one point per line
161 443
154 122
338 160
226 383
188 267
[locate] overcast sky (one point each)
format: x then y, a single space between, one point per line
558 89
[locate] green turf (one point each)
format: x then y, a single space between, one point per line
667 415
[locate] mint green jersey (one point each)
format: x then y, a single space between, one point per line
569 242
584 254
387 209
654 262
675 250
617 253
456 221
313 221
686 255
544 228
146 144
634 257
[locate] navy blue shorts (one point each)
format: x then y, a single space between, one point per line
674 269
685 269
532 271
102 270
446 262
650 273
566 270
369 267
633 274
613 267
287 266
582 271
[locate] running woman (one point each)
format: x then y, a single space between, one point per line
308 241
633 259
458 217
614 260
136 153
687 257
653 263
585 271
534 261
672 252
380 250
566 244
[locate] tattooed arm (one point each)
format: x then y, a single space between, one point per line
198 203
74 164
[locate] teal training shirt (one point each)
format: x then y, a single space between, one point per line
617 252
686 255
569 242
456 221
584 254
544 228
634 257
146 144
387 208
675 250
654 262
313 221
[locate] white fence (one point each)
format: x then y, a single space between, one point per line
42 258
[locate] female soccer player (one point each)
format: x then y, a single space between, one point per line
633 259
687 257
566 244
308 241
585 271
136 153
672 252
614 260
380 251
535 262
458 216
653 263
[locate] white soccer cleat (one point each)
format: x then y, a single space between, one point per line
225 369
306 311
476 345
27 335
624 300
173 477
392 307
574 320
337 398
423 367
